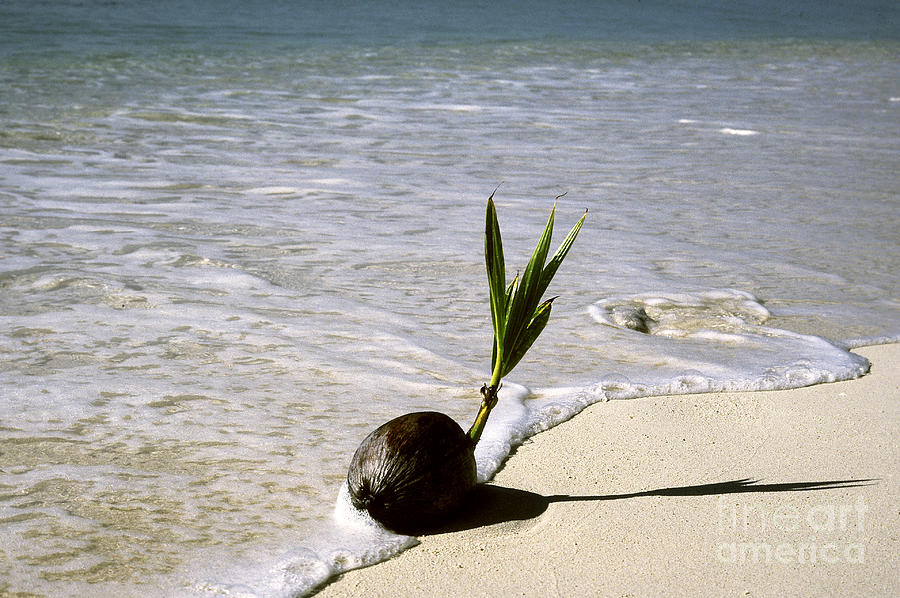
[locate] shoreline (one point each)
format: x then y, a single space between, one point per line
788 492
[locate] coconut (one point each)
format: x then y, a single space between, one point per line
413 472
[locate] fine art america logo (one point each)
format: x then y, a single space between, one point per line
787 534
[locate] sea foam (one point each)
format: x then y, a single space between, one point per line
720 316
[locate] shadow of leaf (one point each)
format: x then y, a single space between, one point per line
490 504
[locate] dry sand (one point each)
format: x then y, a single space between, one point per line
785 493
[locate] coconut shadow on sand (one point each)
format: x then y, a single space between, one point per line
490 504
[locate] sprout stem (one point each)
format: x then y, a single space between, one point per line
489 400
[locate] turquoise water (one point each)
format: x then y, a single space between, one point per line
235 238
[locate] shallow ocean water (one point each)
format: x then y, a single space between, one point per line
231 247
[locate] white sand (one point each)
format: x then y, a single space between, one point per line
611 503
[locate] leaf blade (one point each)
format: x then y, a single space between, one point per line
561 252
526 298
496 273
529 335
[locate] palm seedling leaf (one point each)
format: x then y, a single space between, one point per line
529 335
517 314
496 271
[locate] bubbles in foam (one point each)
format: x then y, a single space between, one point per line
350 540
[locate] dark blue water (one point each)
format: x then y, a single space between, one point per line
234 26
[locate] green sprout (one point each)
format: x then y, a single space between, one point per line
517 313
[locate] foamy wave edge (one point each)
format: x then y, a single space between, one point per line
353 540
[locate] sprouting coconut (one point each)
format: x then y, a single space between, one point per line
414 471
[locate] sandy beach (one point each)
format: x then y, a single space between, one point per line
785 493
